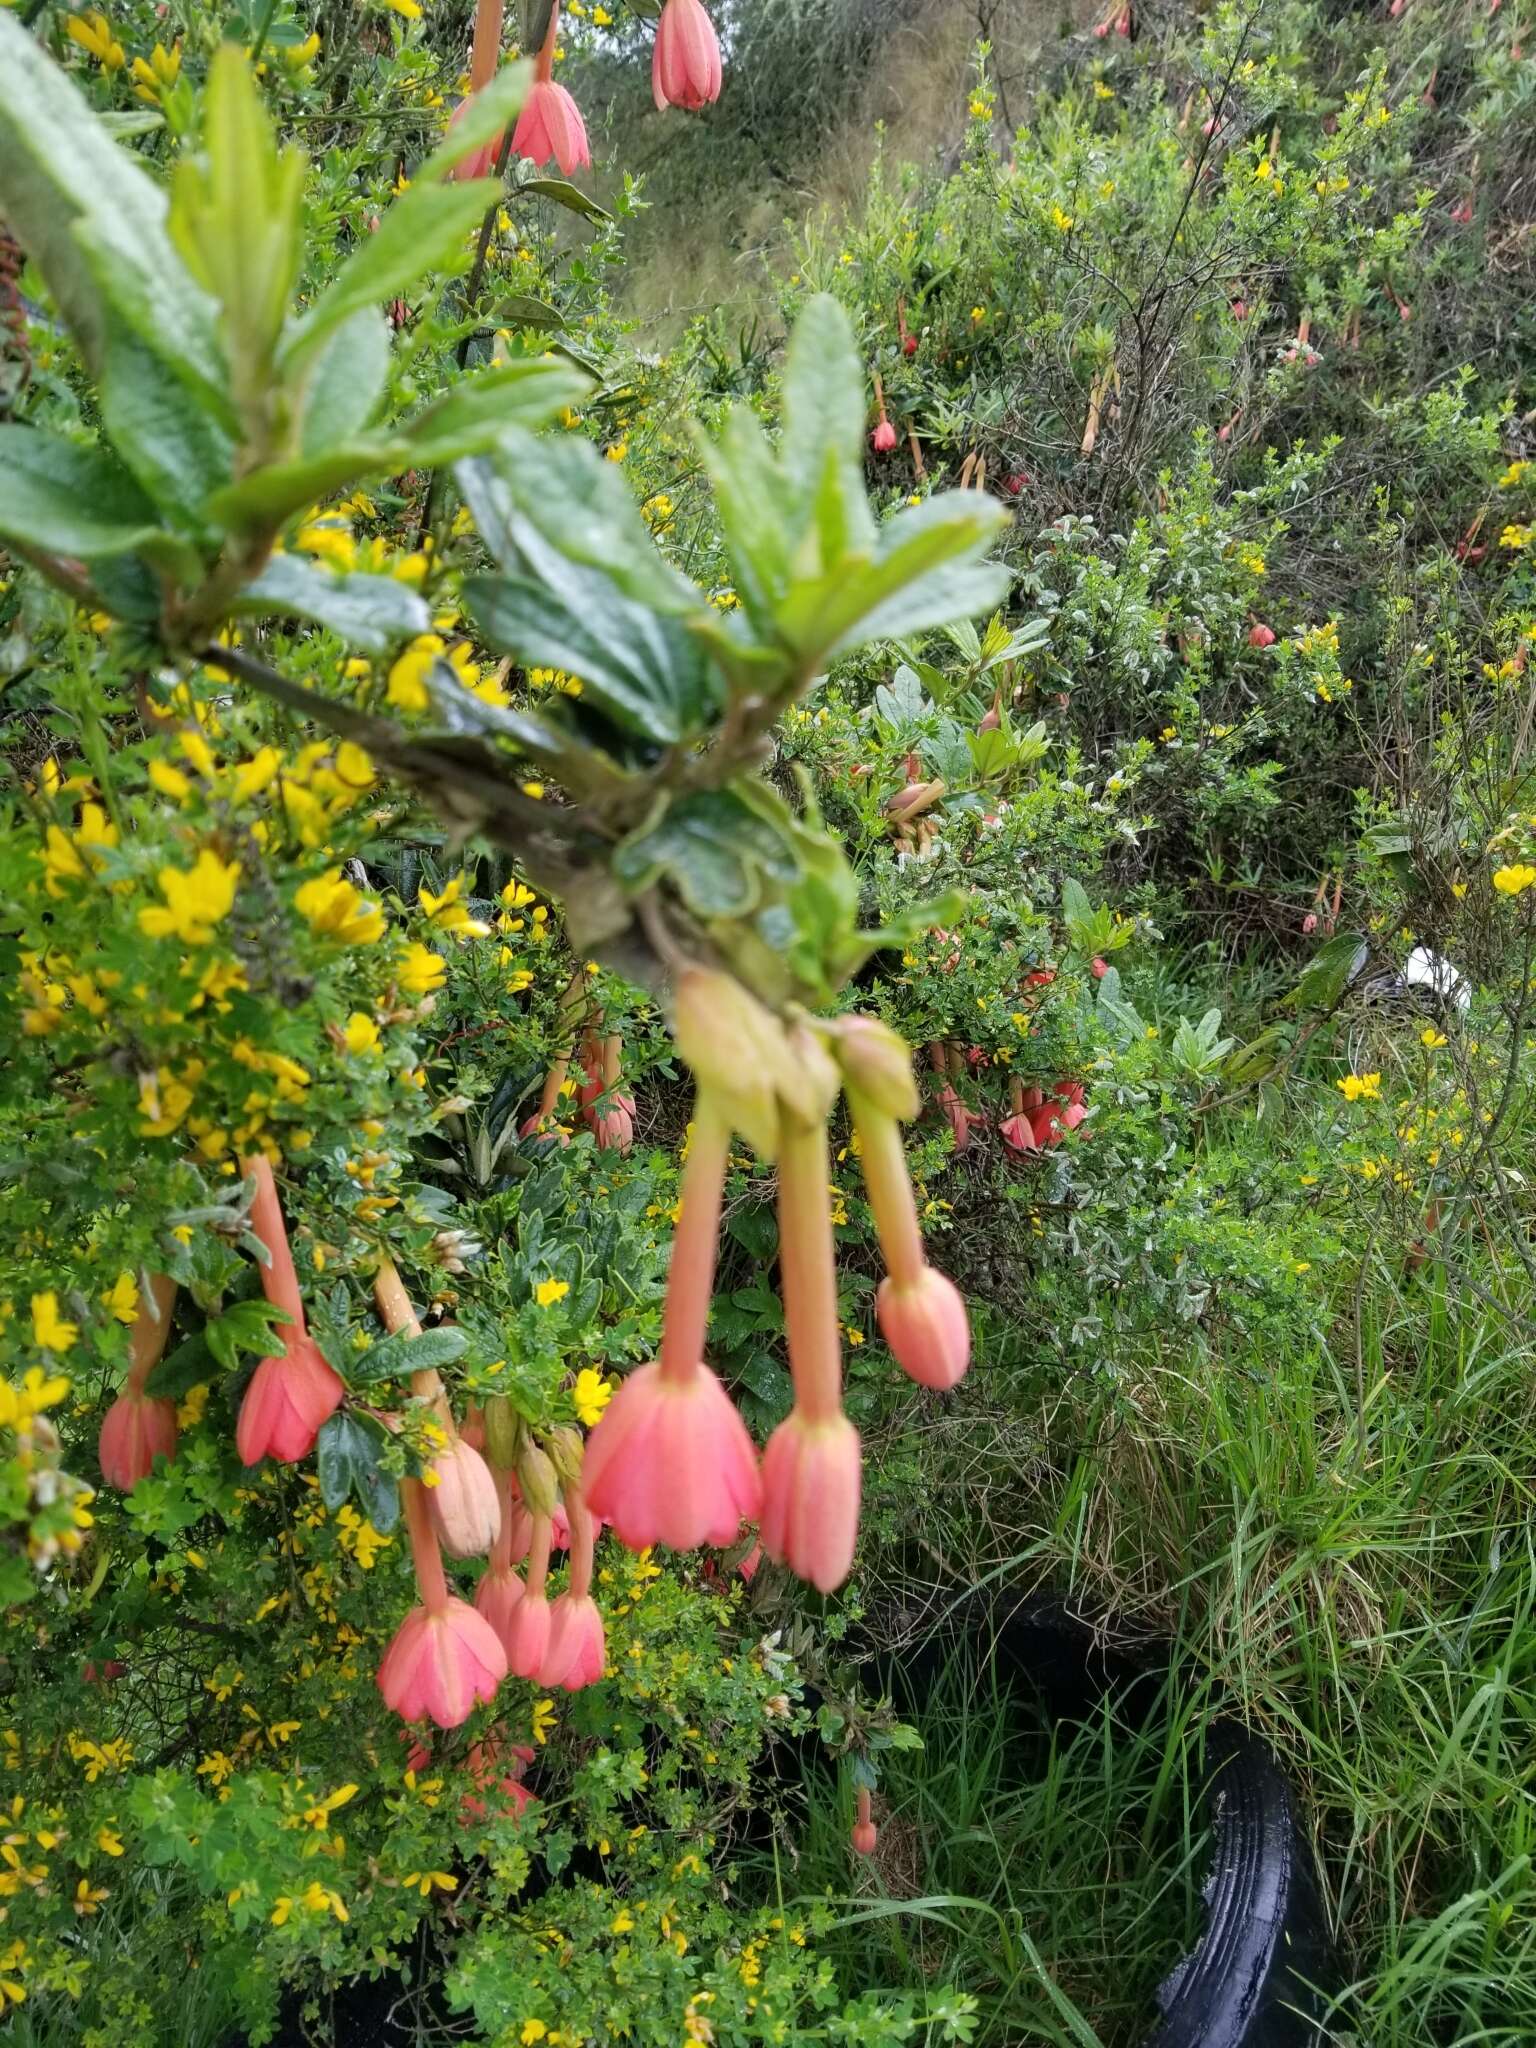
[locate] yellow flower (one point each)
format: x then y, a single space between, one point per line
339 911
93 35
109 1841
1431 1037
1510 881
407 686
420 970
549 1291
87 1897
448 914
361 1034
50 1332
590 1395
302 53
533 2031
122 1298
159 74
196 899
424 1880
1360 1087
543 1720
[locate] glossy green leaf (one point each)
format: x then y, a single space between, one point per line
69 499
582 505
477 410
369 613
59 168
347 381
713 848
1330 971
646 672
397 1357
178 453
565 194
347 1459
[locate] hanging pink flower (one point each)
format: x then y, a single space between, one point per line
550 124
292 1393
685 67
576 1651
444 1656
528 1629
671 1461
140 1427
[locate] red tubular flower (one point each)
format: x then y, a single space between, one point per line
577 1651
444 1656
497 1768
811 1474
140 1427
685 67
528 1629
550 124
865 1833
883 439
671 1461
294 1392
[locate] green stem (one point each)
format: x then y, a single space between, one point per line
691 1276
425 1554
501 1549
884 1160
808 1273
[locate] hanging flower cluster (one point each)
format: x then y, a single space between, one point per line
685 72
671 1461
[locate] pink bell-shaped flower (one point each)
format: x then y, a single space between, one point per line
527 1639
865 1834
671 1461
576 1651
138 1429
810 1516
685 66
444 1656
292 1393
550 124
440 1663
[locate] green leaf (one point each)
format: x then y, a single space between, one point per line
481 121
244 1326
519 309
347 1458
69 499
824 400
426 230
581 505
397 1357
714 849
1329 972
59 167
178 452
749 497
565 194
268 496
646 672
175 327
370 613
477 410
347 380
187 1366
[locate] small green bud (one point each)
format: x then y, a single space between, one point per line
537 1478
502 1432
877 1066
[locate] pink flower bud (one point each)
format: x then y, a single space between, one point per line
466 1514
926 1326
685 65
1309 924
138 1429
1260 635
883 439
909 346
496 1597
1099 967
865 1834
810 1517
